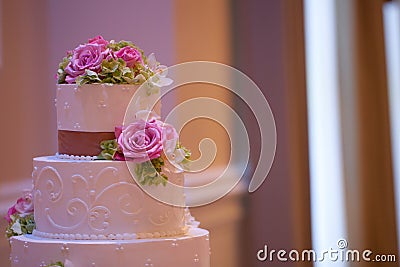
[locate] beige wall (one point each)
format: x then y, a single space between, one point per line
203 33
26 115
204 36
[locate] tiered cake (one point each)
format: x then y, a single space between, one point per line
88 208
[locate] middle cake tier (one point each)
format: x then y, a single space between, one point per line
77 199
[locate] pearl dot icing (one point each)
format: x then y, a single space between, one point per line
196 258
148 263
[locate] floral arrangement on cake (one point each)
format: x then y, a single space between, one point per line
148 142
102 61
20 216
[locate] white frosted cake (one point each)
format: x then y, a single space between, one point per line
88 207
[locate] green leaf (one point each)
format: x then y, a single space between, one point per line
61 70
25 223
58 263
109 148
89 77
150 172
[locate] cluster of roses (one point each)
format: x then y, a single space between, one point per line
20 216
146 141
101 61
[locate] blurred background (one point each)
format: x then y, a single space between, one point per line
330 71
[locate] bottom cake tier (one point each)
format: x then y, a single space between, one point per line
192 249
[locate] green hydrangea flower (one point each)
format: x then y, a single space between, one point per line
150 172
20 225
109 148
56 264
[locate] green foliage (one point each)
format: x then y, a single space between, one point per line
88 77
20 225
187 152
150 172
58 263
109 148
61 67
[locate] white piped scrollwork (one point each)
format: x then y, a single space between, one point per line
97 199
131 203
91 194
53 183
160 219
76 210
99 218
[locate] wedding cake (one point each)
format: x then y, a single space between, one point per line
88 206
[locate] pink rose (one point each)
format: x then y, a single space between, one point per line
107 52
130 55
141 141
23 206
11 211
87 56
118 155
99 40
170 138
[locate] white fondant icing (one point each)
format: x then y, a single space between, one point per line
97 107
191 250
74 198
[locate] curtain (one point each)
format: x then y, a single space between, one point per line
367 159
269 48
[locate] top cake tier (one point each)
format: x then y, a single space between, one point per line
88 114
96 83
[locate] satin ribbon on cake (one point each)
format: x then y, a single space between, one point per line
82 143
